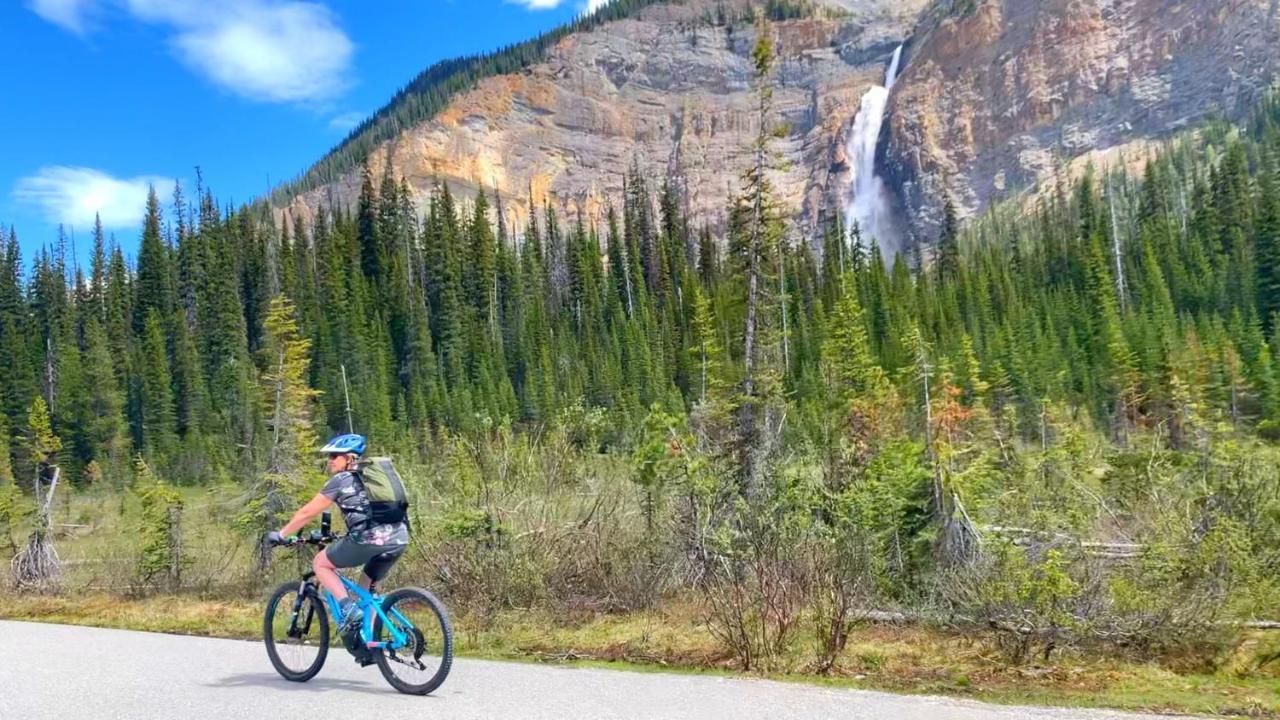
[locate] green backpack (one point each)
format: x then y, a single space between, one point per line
387 499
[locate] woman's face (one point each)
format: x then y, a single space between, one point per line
337 463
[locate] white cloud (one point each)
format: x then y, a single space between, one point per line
285 53
537 4
73 195
346 121
267 50
71 15
585 6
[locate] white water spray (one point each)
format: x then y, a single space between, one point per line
869 205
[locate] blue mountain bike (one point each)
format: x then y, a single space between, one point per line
406 632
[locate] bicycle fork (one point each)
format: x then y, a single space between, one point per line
305 590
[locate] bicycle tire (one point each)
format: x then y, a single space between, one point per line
446 630
318 610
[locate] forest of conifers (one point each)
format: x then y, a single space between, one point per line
452 320
1089 374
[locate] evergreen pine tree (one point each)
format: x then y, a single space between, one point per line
287 403
119 311
188 383
948 262
103 421
98 272
6 454
1268 241
156 397
154 279
15 340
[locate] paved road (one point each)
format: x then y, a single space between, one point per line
62 672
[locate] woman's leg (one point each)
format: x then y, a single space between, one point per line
327 574
378 567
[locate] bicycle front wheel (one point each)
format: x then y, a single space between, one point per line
296 631
423 662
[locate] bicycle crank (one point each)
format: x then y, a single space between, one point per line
418 644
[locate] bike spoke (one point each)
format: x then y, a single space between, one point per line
296 637
419 659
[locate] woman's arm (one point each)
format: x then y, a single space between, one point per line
314 507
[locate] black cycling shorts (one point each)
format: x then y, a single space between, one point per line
377 559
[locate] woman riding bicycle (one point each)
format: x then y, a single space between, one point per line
376 546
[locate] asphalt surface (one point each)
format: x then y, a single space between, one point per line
65 672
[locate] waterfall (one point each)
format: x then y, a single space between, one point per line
869 204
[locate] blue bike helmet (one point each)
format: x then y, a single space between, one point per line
353 444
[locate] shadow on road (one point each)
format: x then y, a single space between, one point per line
315 685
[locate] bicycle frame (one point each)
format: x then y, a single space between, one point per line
370 603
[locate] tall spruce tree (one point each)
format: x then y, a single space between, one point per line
153 284
157 417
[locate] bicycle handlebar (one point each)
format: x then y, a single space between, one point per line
315 537
319 538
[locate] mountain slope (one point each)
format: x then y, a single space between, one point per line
994 95
668 89
432 90
998 93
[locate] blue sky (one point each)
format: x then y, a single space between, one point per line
102 97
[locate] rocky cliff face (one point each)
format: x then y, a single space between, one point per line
667 90
993 96
999 93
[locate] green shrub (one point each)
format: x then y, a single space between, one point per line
1029 599
15 508
159 530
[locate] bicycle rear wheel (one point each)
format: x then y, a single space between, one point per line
423 664
296 631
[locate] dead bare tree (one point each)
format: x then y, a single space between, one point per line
37 566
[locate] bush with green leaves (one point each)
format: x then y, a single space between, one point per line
1029 597
757 585
521 520
1174 602
15 509
159 528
